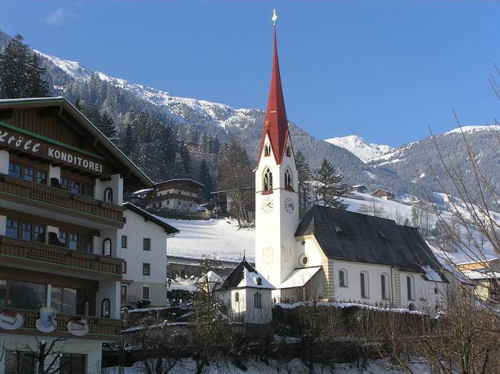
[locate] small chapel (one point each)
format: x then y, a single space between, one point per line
331 254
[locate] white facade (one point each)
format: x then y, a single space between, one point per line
276 216
135 250
249 300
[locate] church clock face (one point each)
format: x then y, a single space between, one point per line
267 204
289 205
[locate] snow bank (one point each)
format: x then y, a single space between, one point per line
295 366
216 238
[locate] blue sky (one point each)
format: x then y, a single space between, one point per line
385 70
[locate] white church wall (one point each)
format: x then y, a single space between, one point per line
353 290
427 294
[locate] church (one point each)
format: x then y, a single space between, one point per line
331 254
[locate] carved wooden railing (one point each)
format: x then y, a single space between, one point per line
99 328
25 250
61 198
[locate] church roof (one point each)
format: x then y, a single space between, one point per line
300 277
244 276
276 125
357 237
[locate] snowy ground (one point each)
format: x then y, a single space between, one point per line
221 238
217 238
273 367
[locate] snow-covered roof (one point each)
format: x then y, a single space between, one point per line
212 276
144 190
253 279
477 275
431 274
181 180
300 277
244 276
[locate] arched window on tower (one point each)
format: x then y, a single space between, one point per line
288 180
267 180
267 150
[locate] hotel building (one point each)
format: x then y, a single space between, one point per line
61 230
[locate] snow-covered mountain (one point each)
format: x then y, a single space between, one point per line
361 149
214 113
404 170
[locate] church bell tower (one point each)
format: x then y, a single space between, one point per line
276 189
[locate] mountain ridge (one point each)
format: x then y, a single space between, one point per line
396 169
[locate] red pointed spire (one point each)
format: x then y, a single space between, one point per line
276 125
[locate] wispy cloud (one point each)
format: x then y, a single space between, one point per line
59 15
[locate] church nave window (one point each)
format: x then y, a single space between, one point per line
342 278
410 287
385 286
364 285
267 150
288 179
268 180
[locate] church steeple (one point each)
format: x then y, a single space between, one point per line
276 125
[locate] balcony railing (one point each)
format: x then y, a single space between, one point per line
99 328
61 198
89 263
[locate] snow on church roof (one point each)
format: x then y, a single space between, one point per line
253 279
300 277
244 276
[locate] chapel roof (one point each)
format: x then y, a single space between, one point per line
244 276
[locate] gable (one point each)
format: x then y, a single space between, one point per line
54 131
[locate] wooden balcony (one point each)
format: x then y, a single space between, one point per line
88 265
99 328
60 200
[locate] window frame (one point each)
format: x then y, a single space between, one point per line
146 288
146 269
106 313
364 284
384 286
107 195
124 241
103 252
410 288
345 283
148 246
267 180
257 300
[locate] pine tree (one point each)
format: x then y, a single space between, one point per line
327 187
235 175
203 145
38 87
13 69
20 72
205 179
127 145
106 125
304 179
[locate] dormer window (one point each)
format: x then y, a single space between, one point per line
267 150
268 180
